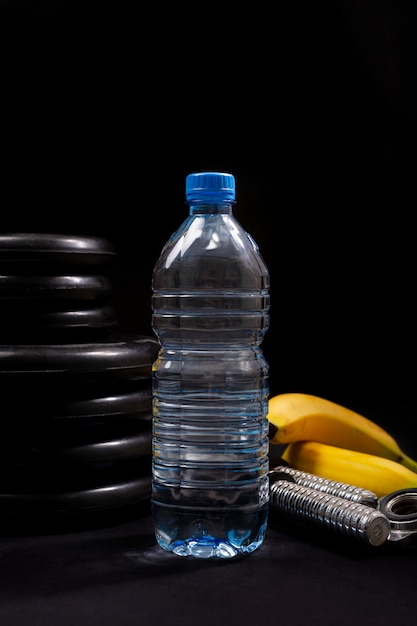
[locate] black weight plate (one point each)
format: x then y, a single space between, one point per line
40 418
33 250
66 400
58 319
40 433
24 289
135 445
100 498
122 404
43 326
58 477
78 408
61 477
130 357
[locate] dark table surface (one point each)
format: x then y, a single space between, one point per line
117 575
111 571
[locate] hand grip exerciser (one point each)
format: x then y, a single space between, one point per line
342 509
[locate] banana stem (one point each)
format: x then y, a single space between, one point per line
408 462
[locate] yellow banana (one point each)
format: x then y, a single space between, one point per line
304 417
378 474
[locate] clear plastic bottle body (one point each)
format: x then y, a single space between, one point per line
210 489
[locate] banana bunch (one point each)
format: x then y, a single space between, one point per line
334 442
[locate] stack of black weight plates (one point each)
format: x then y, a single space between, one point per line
75 393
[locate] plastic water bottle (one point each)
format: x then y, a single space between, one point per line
210 301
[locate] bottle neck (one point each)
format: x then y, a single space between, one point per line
210 207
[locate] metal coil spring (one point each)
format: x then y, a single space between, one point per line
323 510
331 487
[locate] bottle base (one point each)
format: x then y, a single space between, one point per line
222 535
205 549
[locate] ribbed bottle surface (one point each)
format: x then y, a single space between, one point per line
210 303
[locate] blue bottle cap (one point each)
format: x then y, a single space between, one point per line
210 187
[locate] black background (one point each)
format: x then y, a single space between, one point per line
104 109
107 106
